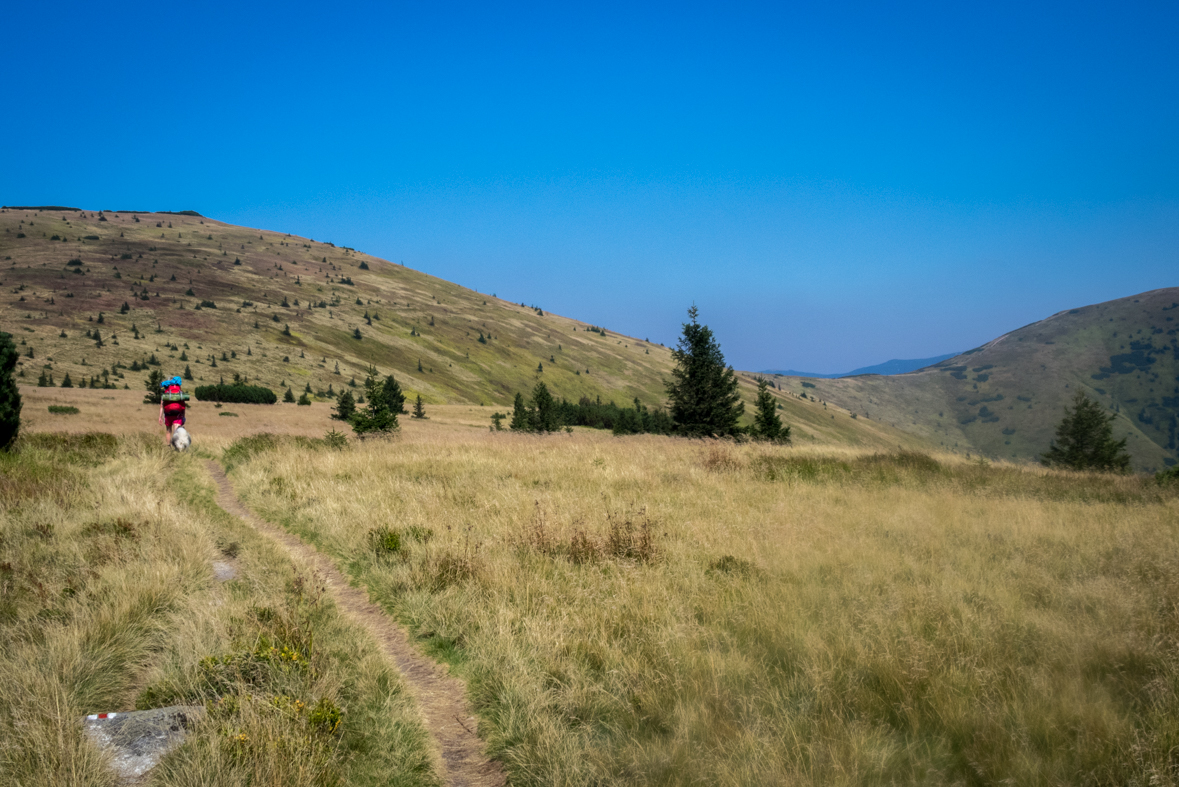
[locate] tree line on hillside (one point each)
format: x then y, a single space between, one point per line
702 395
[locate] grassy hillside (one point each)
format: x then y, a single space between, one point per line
282 310
1005 398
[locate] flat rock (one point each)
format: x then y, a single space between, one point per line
223 571
137 740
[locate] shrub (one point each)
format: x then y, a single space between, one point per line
10 402
235 393
63 409
384 541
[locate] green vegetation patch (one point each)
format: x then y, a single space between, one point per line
63 409
235 393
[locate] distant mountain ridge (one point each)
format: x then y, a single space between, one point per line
895 366
1005 398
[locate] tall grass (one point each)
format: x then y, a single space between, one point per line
107 602
797 616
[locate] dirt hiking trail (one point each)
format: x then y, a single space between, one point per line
440 696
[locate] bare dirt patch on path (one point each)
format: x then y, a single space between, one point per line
441 696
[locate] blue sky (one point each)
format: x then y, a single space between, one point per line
832 184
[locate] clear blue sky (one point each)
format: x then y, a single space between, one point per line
832 184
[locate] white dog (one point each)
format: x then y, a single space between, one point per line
180 439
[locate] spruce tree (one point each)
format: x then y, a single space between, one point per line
545 417
702 393
289 396
376 416
394 398
521 418
155 394
419 411
345 406
1084 440
10 403
766 423
66 382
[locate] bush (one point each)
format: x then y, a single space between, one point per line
235 393
10 403
384 541
63 409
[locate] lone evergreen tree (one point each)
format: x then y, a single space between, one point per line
702 393
1084 440
376 416
521 418
418 410
545 417
10 404
394 398
766 423
154 393
289 396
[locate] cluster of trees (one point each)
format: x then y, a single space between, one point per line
543 413
702 396
377 410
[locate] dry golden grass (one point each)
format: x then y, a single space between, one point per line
108 602
123 412
799 616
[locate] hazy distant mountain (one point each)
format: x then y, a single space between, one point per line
895 366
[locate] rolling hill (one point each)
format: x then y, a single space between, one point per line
895 366
1004 399
104 296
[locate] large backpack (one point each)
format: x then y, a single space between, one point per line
173 399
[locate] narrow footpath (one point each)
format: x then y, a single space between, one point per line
440 696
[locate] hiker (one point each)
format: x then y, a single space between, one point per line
172 407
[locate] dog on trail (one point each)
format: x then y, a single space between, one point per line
180 439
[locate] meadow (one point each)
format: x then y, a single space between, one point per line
638 610
648 610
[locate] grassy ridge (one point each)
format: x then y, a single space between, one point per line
412 317
657 611
107 602
1005 398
